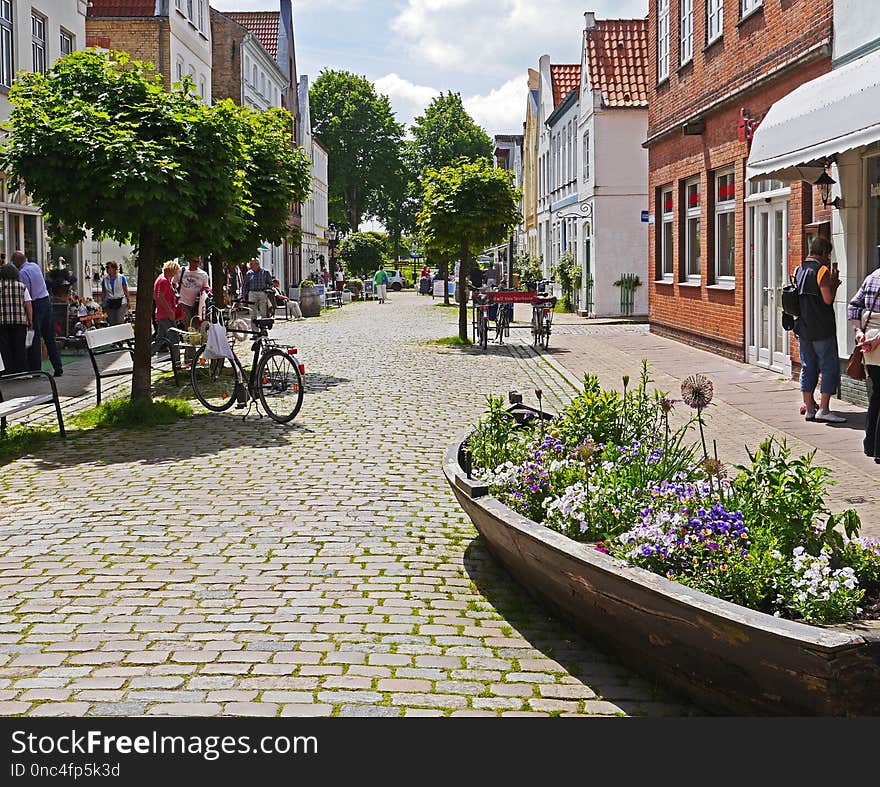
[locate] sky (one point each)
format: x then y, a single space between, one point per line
414 49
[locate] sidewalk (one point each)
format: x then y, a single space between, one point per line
750 403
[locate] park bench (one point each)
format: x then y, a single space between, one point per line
117 340
18 404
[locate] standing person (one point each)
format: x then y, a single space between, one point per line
114 295
325 277
865 320
43 322
426 273
166 309
16 316
193 281
381 282
257 281
340 277
817 281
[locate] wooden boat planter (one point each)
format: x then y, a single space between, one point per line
726 658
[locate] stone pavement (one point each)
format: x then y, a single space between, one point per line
240 567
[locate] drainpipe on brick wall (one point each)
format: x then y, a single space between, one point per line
162 52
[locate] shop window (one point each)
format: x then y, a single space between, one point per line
686 39
873 181
714 20
662 40
667 264
725 220
692 233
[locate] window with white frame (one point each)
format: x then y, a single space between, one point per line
686 38
178 4
714 20
747 6
662 40
202 87
68 42
179 70
725 219
667 251
201 23
586 154
693 208
38 43
7 71
189 9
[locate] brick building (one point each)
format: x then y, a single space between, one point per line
721 248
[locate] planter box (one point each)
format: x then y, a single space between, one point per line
726 658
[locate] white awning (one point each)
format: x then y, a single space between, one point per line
833 113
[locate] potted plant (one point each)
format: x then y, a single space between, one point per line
355 287
309 299
59 281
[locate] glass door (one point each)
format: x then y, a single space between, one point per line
770 228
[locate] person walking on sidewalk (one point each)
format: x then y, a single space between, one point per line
817 282
865 320
339 275
44 324
254 292
381 282
115 300
16 316
193 282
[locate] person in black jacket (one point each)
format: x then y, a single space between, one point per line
817 282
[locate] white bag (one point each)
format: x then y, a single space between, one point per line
29 337
217 345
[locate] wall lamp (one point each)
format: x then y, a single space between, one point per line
825 182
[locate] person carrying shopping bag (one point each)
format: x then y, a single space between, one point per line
381 282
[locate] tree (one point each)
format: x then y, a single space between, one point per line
362 252
445 134
467 206
102 146
358 127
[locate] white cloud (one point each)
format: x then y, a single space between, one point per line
299 6
407 99
502 110
476 36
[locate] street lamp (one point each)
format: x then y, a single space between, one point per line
825 182
332 241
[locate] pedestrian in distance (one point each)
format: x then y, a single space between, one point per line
339 275
166 308
865 321
255 292
43 322
16 317
192 282
114 295
325 277
380 279
817 280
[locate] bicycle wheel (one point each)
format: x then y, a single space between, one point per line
502 326
536 327
280 386
484 332
213 381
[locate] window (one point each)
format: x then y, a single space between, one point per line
6 69
686 53
586 154
725 219
189 9
693 208
254 76
666 226
202 87
662 40
180 71
714 20
201 23
178 4
38 43
67 42
747 6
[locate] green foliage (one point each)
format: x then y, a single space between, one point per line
446 134
362 252
306 283
358 128
863 554
529 269
134 414
490 441
21 440
355 286
451 341
569 274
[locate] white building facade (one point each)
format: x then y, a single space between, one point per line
320 199
32 37
190 43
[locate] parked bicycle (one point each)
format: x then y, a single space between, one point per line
274 380
542 320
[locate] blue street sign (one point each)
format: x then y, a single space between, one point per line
646 216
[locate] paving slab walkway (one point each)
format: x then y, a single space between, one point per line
239 567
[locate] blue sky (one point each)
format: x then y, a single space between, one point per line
412 49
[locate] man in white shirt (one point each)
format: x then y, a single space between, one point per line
193 282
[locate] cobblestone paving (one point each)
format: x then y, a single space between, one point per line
230 567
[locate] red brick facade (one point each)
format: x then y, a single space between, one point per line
755 62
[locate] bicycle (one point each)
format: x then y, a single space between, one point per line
480 320
227 316
275 378
502 321
542 319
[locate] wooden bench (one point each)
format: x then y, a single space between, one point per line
18 404
118 339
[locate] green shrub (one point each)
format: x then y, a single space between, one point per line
307 283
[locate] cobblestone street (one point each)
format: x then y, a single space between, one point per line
246 568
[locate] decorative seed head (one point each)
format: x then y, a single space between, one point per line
539 393
666 404
712 467
697 391
625 381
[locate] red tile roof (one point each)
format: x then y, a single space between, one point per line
564 78
263 24
122 8
617 61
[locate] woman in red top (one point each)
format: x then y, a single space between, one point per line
167 311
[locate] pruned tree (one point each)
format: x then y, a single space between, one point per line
445 134
362 252
467 206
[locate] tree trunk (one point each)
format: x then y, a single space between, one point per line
463 293
218 276
444 269
141 382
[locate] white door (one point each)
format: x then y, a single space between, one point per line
770 234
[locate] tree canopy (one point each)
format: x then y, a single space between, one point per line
102 146
466 206
357 125
362 252
445 134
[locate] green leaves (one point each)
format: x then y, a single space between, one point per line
362 252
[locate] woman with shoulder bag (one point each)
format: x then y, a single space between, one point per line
114 292
865 320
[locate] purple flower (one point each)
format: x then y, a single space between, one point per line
697 391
